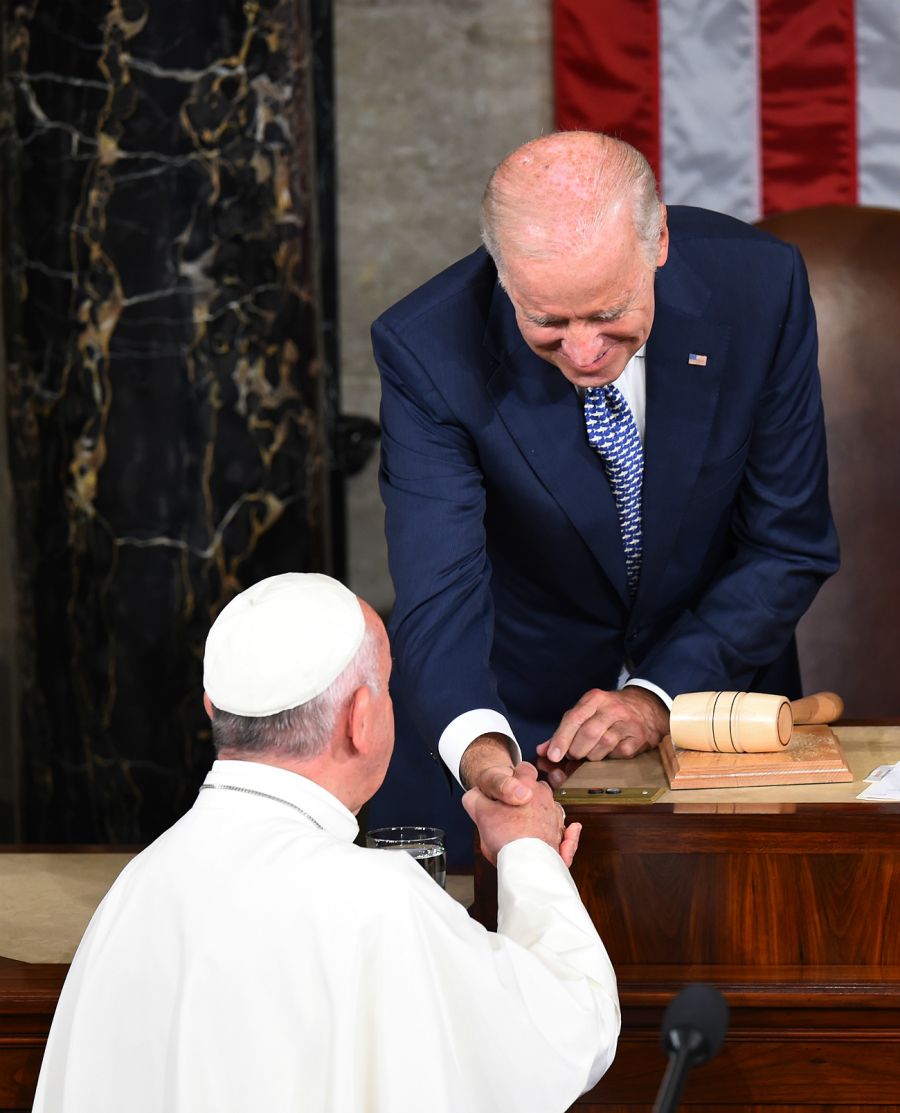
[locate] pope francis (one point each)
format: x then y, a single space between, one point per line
254 958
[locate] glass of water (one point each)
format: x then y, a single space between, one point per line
425 844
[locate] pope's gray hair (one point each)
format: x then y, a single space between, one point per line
619 174
303 731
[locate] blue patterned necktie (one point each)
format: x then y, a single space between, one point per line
613 434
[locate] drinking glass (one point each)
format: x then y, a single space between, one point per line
425 844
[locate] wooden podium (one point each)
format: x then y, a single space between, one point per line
787 898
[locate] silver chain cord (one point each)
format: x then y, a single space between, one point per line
267 796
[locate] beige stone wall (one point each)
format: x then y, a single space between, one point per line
431 94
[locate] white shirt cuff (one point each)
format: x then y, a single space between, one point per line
635 682
466 728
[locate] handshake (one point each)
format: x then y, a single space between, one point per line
538 817
600 725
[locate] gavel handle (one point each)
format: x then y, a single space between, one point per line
822 707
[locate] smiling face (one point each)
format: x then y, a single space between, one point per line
587 314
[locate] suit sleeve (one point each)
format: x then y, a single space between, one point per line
433 490
784 541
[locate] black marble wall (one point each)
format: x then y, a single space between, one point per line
165 393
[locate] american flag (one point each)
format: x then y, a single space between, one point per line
749 107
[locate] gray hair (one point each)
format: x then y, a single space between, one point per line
304 731
617 173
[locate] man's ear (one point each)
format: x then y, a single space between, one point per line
207 703
663 239
359 719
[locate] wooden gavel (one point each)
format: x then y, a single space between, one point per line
745 722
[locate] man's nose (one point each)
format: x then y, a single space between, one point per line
582 347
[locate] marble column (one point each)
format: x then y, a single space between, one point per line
165 394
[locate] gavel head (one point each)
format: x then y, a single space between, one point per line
731 722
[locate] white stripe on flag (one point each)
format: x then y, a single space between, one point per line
878 101
710 105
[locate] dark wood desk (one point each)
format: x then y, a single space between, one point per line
28 996
787 899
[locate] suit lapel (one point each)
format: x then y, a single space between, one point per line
681 407
544 416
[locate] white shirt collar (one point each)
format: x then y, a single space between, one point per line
632 384
291 787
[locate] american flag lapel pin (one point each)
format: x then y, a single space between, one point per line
696 360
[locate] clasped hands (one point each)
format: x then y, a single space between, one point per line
602 724
537 817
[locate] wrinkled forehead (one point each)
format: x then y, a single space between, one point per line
556 227
611 276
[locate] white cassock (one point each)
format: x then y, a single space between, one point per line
251 961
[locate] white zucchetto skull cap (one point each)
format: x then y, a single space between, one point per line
281 643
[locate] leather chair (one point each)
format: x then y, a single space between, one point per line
849 641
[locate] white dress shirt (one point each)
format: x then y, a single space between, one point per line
254 958
465 728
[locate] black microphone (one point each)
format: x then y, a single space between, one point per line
693 1029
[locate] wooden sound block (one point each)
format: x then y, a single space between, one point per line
812 756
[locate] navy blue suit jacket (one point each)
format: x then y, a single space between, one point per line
503 538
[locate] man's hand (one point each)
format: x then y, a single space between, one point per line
609 724
556 773
487 765
542 818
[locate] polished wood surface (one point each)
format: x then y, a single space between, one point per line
815 887
820 707
795 1038
790 906
28 996
864 747
812 756
785 897
730 722
784 888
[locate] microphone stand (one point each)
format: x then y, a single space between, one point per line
693 1029
680 1062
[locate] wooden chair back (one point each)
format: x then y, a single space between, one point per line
849 641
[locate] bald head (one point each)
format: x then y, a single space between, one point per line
554 197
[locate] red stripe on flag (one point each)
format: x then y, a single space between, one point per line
807 75
606 70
